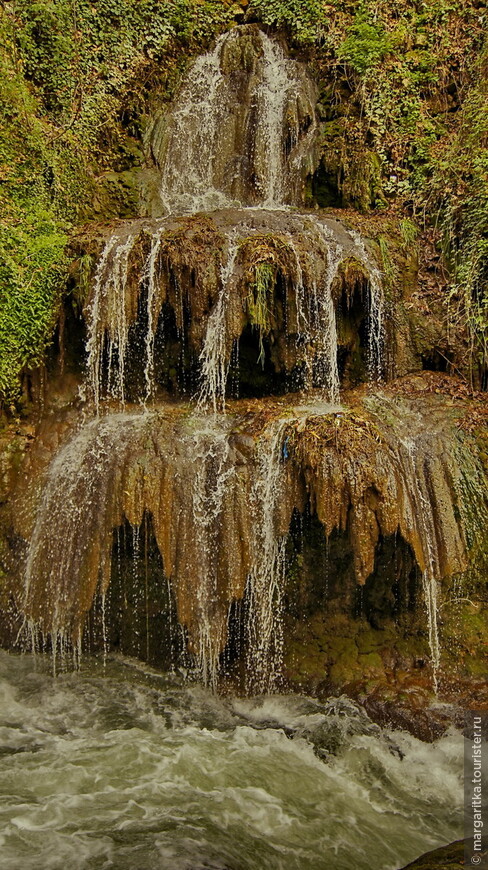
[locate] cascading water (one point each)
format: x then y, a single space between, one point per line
306 252
214 473
224 142
165 529
376 331
150 279
276 88
192 287
213 357
73 525
431 573
265 583
109 296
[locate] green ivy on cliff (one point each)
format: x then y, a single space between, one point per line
461 191
32 232
32 272
303 18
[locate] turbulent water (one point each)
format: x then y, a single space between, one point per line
128 769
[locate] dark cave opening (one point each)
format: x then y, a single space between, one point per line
138 617
320 576
353 328
436 361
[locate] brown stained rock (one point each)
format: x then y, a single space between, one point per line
349 468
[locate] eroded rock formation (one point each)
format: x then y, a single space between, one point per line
221 493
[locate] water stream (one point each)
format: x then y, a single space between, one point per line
123 768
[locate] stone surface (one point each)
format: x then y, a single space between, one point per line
448 857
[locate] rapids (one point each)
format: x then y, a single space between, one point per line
122 767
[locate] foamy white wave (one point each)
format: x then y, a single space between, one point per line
116 771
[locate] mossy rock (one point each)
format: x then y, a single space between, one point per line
342 626
305 672
371 640
343 649
304 661
475 624
413 647
340 674
371 665
466 628
476 667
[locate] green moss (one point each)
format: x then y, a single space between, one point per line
473 508
371 665
344 646
412 647
366 44
461 187
476 667
301 17
341 673
258 303
371 640
33 269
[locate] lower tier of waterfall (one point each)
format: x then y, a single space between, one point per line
217 542
121 767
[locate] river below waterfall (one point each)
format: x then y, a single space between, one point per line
118 766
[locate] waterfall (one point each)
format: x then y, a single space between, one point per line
187 161
69 556
109 304
209 451
116 468
224 142
265 584
324 334
272 97
150 278
424 519
376 325
214 357
178 297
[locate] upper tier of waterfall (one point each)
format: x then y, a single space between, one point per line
241 131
